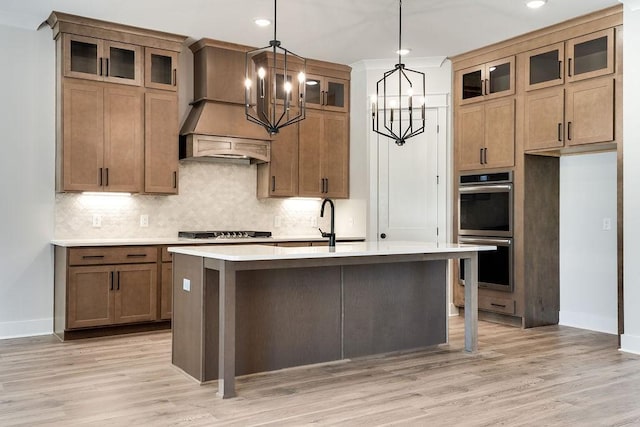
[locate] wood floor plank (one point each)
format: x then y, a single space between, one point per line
542 376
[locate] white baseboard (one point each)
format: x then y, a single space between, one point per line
453 310
26 328
630 343
608 325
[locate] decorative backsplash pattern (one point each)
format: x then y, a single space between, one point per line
219 196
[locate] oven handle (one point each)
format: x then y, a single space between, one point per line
505 242
496 188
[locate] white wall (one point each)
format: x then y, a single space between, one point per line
588 253
631 151
27 120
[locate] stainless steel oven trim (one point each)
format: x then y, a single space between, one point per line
508 242
487 188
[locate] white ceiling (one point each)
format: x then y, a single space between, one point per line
344 31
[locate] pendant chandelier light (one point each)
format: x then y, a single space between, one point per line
399 93
277 100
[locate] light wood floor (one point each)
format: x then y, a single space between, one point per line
542 376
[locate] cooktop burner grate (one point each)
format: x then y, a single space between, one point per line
222 234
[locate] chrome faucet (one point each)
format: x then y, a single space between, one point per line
332 234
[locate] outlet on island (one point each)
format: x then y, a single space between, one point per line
96 220
144 220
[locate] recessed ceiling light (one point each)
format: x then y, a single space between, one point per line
534 4
403 52
262 22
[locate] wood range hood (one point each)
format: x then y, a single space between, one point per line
216 127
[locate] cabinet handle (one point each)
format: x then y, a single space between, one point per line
559 132
326 185
569 67
106 177
92 256
559 69
493 304
136 255
485 156
175 179
107 67
481 161
118 283
100 178
111 288
569 131
100 73
486 86
174 77
273 183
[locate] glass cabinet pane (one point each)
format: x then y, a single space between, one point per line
122 63
500 78
84 57
161 69
544 67
335 94
313 91
280 90
472 84
590 55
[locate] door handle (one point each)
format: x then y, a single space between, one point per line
106 173
118 283
100 177
485 155
481 162
559 69
174 77
175 179
107 67
559 132
569 131
111 287
100 72
569 67
273 183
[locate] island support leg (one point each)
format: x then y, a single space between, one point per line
227 334
471 303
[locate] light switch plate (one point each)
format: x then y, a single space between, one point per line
186 284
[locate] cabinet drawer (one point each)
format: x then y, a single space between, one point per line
112 255
497 305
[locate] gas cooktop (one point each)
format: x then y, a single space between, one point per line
223 234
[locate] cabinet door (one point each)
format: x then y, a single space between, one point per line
283 168
82 57
122 63
335 155
90 298
314 92
544 67
544 119
161 143
590 56
135 293
501 78
166 290
82 135
310 183
123 134
590 111
499 137
470 137
471 83
336 95
160 69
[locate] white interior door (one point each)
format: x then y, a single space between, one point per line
408 183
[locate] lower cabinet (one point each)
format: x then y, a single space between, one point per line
166 285
108 295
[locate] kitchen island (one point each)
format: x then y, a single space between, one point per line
245 309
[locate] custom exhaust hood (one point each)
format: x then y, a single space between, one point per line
216 127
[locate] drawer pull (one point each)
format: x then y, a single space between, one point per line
92 256
136 255
493 304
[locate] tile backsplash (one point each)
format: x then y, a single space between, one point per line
213 196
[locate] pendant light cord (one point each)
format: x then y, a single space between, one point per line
275 20
400 33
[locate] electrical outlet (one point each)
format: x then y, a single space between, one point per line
606 224
144 220
186 284
97 220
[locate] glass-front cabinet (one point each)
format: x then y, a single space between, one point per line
487 81
102 60
327 93
576 59
160 69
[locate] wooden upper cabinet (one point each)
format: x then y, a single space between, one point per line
589 111
160 143
486 135
160 69
584 57
102 60
591 55
486 81
544 119
279 177
327 93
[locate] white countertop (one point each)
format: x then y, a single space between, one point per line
354 249
183 241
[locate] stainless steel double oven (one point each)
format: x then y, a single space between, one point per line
485 212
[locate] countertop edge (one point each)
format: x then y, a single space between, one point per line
177 241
